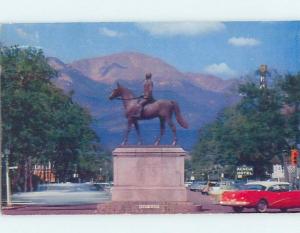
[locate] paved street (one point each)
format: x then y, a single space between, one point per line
84 202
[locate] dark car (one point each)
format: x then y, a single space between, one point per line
197 186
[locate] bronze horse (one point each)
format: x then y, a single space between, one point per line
163 109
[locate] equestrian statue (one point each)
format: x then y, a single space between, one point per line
145 107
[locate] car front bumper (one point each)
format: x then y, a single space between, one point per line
234 203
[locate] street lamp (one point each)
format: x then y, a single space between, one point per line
100 174
8 188
263 70
75 175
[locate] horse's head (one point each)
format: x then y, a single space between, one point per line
116 92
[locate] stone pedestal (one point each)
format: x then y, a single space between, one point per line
148 179
149 174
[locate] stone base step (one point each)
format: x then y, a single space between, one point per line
135 207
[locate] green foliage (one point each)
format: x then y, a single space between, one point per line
23 73
255 132
291 93
40 122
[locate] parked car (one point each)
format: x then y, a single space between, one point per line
221 187
106 185
209 186
262 195
197 186
187 184
214 189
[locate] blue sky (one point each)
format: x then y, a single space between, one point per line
225 49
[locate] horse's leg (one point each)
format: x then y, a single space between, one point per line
162 131
129 124
173 127
137 129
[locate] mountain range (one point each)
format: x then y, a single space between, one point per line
200 96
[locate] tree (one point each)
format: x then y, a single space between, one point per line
290 87
264 132
22 71
40 123
250 133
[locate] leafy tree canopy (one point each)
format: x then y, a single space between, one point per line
255 132
40 122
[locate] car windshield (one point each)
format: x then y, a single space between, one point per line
199 182
280 188
214 185
252 187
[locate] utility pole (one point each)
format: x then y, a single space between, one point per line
1 181
285 165
8 187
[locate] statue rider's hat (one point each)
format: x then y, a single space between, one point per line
148 75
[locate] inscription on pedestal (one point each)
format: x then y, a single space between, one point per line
149 206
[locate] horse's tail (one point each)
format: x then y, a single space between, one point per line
179 118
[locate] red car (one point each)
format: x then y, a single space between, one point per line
262 195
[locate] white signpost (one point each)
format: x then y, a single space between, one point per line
278 172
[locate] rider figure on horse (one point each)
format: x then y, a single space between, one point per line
147 97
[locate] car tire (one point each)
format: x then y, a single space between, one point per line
262 206
238 209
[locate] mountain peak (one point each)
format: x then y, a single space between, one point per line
211 82
129 66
